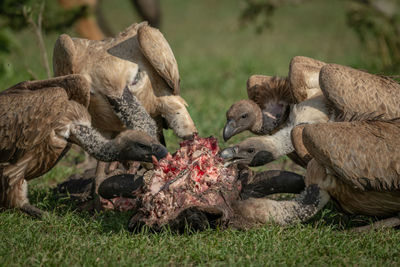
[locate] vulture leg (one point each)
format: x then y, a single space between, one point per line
272 182
131 112
14 194
32 211
99 177
386 223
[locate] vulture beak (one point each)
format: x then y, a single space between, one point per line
230 155
159 151
229 152
229 129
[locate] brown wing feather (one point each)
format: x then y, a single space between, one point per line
351 92
365 154
27 118
158 52
76 86
262 89
303 77
297 141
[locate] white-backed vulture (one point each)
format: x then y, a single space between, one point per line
39 121
138 59
257 151
355 161
270 98
260 150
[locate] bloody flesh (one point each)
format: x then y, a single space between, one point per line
192 177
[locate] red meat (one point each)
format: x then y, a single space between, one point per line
193 177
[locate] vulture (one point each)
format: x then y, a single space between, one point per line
260 150
40 120
355 157
270 98
139 60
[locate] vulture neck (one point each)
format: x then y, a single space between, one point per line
133 115
94 143
282 141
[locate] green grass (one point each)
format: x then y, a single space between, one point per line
215 57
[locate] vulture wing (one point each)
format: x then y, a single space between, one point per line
27 118
75 85
158 52
353 92
303 77
364 154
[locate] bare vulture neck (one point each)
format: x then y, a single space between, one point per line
282 141
94 143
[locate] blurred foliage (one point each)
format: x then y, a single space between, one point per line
6 44
376 22
54 17
260 12
14 17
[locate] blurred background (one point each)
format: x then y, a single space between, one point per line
218 44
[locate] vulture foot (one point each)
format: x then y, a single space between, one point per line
33 211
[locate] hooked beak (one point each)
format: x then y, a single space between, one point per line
229 129
229 152
159 151
230 155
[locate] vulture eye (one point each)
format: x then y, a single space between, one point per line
244 116
250 150
137 78
142 146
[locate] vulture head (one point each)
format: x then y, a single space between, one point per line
252 151
247 115
264 112
138 59
138 146
243 115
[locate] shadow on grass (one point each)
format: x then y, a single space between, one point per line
115 222
61 206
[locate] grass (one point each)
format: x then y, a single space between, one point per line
215 57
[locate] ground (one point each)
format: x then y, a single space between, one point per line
215 56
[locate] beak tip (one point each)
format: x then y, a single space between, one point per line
227 153
227 133
226 138
229 130
159 151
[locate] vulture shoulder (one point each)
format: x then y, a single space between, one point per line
303 77
158 52
264 89
353 92
27 118
364 154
